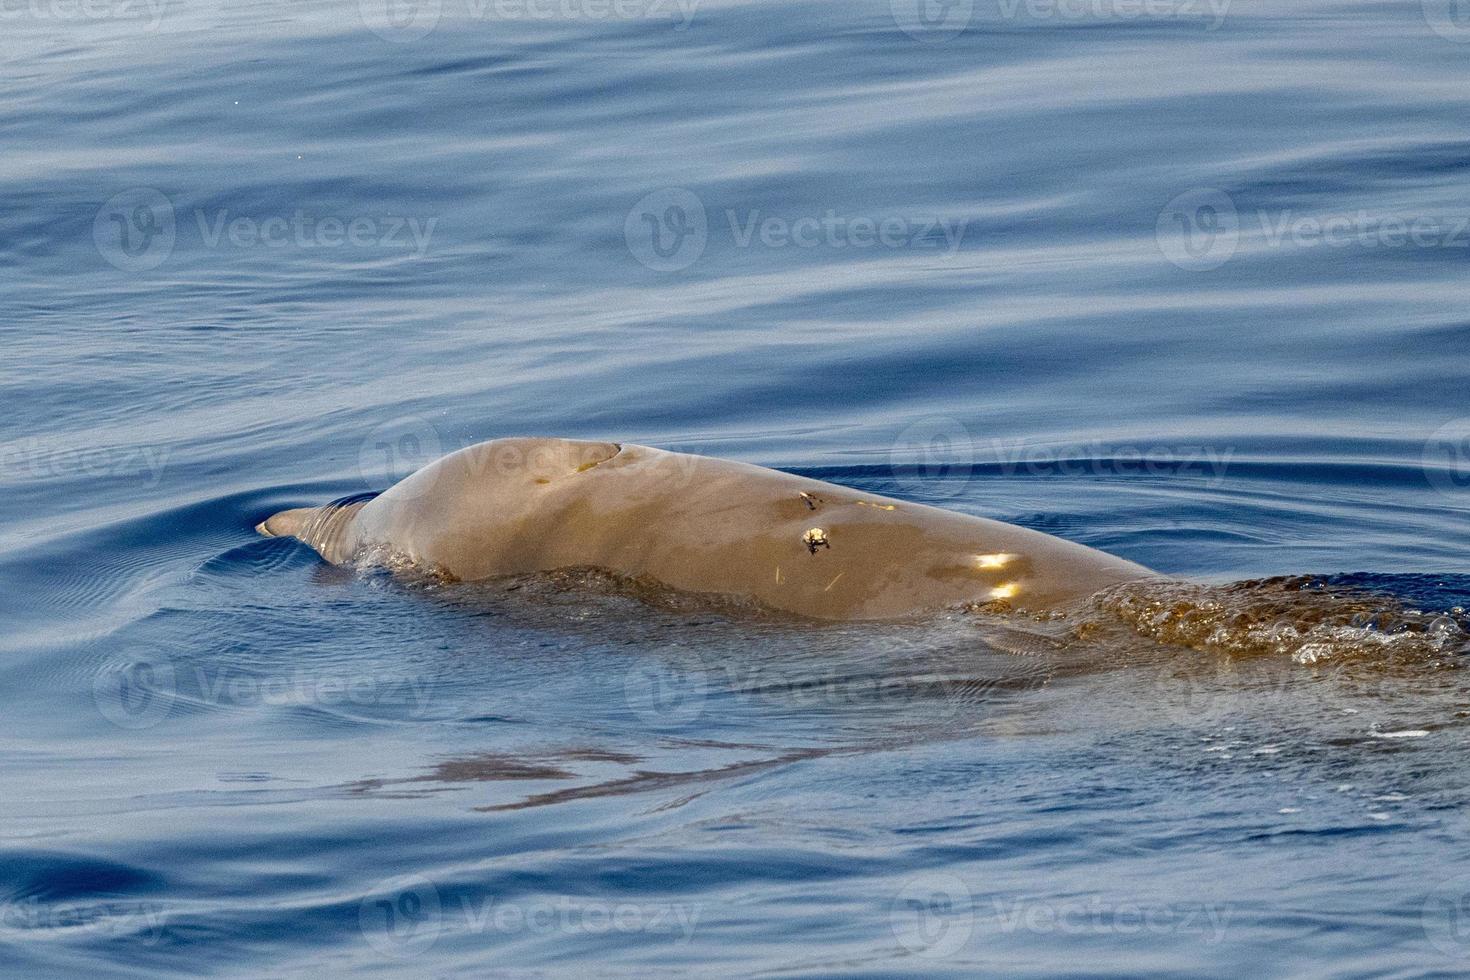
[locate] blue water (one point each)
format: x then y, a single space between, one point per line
1182 283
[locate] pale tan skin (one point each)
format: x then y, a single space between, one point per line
698 524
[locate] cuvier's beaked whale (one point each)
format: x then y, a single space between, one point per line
703 525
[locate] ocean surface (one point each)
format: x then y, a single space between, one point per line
1179 279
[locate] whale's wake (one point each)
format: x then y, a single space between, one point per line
1308 619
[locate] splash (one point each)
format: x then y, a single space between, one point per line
1306 618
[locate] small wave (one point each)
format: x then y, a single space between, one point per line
255 558
54 876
